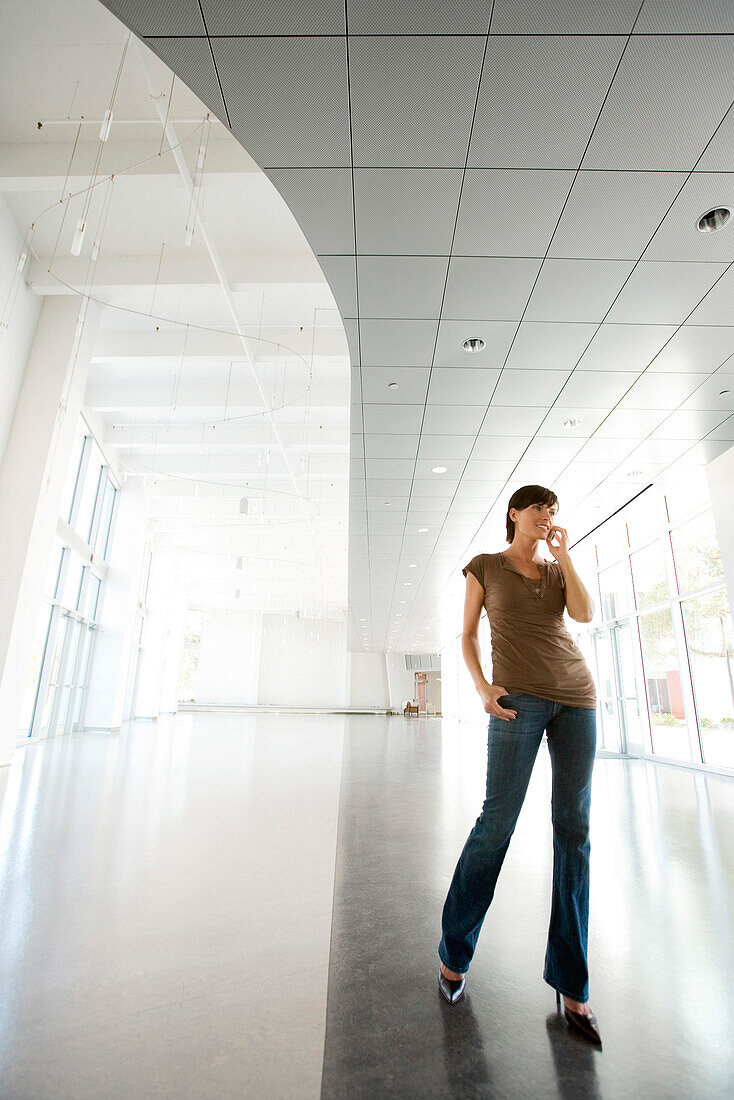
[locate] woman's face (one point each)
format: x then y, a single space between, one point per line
535 521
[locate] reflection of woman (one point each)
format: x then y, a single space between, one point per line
540 682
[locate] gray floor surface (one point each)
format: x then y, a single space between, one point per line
222 905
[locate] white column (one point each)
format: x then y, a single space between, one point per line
32 480
155 636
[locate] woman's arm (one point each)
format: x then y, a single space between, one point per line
578 601
488 693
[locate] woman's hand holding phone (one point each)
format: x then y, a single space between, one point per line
557 542
489 694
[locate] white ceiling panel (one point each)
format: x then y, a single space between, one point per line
441 448
499 446
453 419
250 17
711 395
716 308
418 219
679 238
661 391
719 153
413 100
631 423
425 490
695 349
391 446
386 419
181 18
341 276
418 17
683 17
389 467
412 383
589 389
598 449
545 345
554 448
724 431
628 348
321 201
397 343
668 97
192 59
613 215
497 336
690 424
564 17
512 422
524 227
401 286
663 293
534 387
497 289
306 121
553 423
538 471
462 386
478 469
576 290
539 99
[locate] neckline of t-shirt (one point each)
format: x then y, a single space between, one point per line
507 564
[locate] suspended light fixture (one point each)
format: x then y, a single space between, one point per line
104 132
78 238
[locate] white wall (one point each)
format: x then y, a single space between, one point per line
229 658
402 681
15 341
368 682
302 662
720 475
161 646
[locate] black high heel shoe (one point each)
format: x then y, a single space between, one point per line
451 988
587 1025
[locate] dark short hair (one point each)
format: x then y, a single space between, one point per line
523 498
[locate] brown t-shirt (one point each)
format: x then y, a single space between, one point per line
532 651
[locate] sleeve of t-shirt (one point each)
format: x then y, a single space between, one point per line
476 568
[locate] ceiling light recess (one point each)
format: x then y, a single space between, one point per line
573 422
714 219
473 345
438 469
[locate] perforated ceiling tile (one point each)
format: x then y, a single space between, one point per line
512 421
613 215
497 336
166 17
529 387
413 99
668 97
719 153
564 16
663 293
684 17
576 290
679 238
418 17
397 343
661 391
401 286
625 347
541 345
453 419
496 289
410 211
250 17
321 201
287 99
191 60
509 213
539 100
589 389
340 274
695 348
462 385
709 394
391 446
437 448
412 385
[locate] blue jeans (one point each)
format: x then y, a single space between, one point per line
512 747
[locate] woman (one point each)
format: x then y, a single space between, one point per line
540 682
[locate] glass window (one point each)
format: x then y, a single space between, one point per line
607 693
611 541
105 520
696 553
663 682
71 579
686 489
642 519
34 669
90 595
648 573
614 586
52 574
82 522
710 640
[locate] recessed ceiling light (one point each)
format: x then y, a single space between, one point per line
407 584
393 385
439 469
572 422
473 345
714 219
412 567
635 473
388 503
422 530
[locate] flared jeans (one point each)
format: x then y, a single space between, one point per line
512 747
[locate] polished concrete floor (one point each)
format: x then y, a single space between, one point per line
248 906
